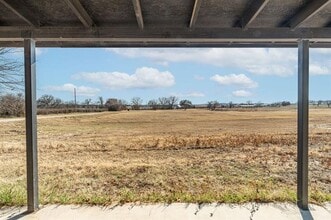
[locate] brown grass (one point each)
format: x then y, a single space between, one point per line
166 156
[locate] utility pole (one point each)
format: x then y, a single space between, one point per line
75 97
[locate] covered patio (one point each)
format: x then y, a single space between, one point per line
148 23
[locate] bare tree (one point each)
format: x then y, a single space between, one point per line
87 102
172 101
185 104
285 103
100 101
11 75
212 105
164 101
168 102
153 104
48 101
231 105
11 105
115 104
136 102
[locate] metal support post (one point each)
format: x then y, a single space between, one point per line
31 124
303 117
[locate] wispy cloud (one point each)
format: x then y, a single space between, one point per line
144 77
240 80
259 61
80 90
315 69
241 93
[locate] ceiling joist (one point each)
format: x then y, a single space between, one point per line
169 37
195 12
307 12
77 7
73 44
165 34
10 6
252 12
139 14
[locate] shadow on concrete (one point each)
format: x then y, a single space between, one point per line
306 214
16 216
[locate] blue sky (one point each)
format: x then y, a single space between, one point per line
198 74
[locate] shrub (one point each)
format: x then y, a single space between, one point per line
11 105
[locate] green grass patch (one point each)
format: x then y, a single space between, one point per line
15 195
12 195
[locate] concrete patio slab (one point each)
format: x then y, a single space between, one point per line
175 211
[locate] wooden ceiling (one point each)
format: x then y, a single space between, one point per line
165 23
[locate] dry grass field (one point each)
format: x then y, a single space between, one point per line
167 156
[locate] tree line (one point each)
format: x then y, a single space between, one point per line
136 103
13 105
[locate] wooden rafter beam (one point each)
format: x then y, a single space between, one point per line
307 12
195 13
77 7
161 34
164 37
10 6
108 44
138 12
252 12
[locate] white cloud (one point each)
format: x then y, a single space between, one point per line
189 95
260 61
143 77
315 69
320 62
80 90
240 80
241 93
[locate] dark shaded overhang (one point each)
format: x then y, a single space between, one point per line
157 23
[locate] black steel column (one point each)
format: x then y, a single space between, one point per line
31 124
303 116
